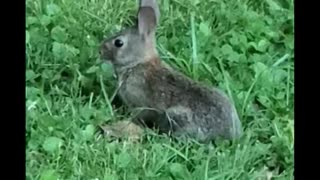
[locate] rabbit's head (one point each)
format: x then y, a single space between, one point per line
134 45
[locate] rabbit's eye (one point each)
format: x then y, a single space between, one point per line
118 43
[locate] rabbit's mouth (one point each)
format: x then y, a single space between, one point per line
105 58
106 55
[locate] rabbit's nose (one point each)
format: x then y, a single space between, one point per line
101 51
104 46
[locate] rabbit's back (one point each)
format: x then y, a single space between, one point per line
195 109
198 110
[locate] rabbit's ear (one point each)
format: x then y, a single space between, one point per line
154 5
146 21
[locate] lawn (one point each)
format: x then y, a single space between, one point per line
244 47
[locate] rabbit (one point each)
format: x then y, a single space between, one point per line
170 101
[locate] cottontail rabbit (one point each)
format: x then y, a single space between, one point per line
173 102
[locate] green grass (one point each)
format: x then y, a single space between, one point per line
245 47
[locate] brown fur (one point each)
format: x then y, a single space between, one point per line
172 102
